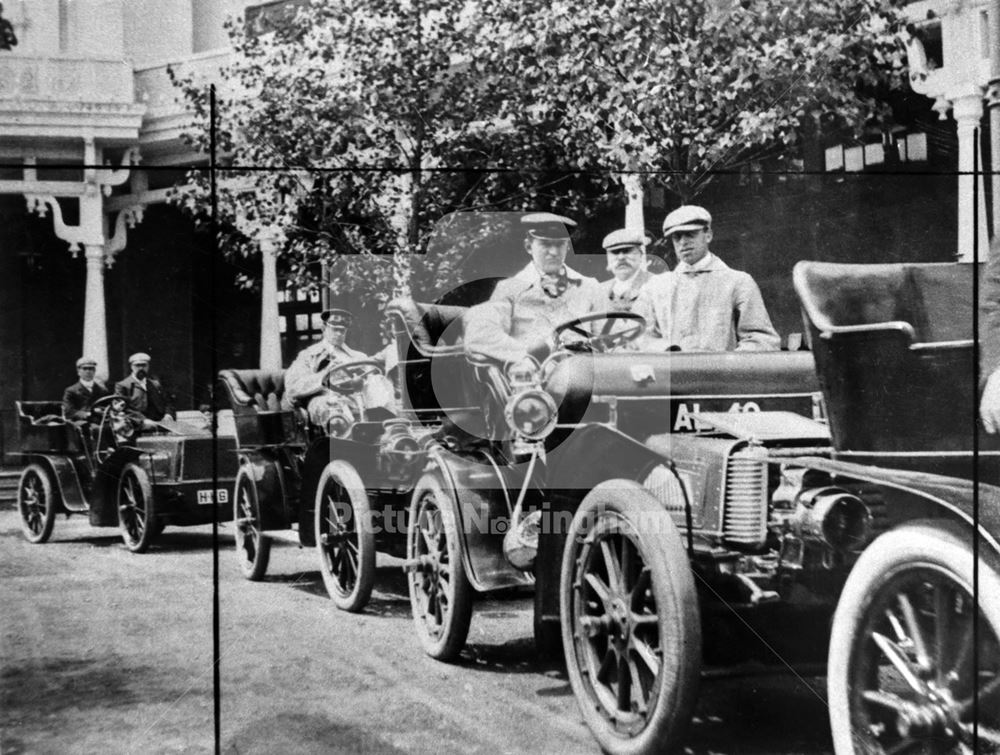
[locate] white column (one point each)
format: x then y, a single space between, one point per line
968 111
634 218
95 334
270 334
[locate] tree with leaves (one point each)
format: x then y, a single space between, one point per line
351 131
683 89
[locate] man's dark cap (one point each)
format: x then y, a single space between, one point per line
547 225
337 317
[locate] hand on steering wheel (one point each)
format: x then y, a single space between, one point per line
606 339
349 377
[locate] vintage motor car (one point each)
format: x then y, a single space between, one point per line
346 495
859 539
140 484
512 457
701 511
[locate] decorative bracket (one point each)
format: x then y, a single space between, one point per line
108 177
127 217
74 234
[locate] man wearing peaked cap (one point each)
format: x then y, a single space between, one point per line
703 304
148 402
306 385
627 263
78 400
518 320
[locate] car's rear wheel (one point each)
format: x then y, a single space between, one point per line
253 547
630 624
136 509
440 593
36 502
911 643
345 539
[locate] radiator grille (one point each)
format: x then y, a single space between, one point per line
745 499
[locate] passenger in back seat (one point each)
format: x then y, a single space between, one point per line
306 380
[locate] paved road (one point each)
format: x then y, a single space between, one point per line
105 651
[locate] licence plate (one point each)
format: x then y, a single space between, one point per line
205 496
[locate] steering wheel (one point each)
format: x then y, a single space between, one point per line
348 377
606 339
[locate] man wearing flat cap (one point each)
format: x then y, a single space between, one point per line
148 402
305 379
517 323
703 304
627 263
78 399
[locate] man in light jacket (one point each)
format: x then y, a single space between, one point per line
703 304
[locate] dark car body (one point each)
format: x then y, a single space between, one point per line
189 470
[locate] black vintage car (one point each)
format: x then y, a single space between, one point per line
785 539
346 496
177 474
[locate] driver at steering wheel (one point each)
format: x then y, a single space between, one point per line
78 399
516 325
336 406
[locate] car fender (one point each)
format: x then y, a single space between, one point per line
905 490
481 502
104 493
324 450
265 470
590 455
67 480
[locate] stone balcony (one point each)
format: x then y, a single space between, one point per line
166 118
62 97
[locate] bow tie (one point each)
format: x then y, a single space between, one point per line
555 286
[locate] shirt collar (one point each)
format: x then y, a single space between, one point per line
705 264
530 274
619 288
88 384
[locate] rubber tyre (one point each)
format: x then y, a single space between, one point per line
37 503
440 594
346 557
906 561
619 535
253 547
136 509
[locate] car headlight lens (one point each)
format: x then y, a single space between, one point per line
531 413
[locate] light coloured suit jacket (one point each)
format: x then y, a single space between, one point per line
304 378
710 308
520 317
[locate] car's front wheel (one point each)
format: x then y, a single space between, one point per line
440 593
253 547
630 625
36 503
136 509
345 539
911 644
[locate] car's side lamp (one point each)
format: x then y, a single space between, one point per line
531 413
